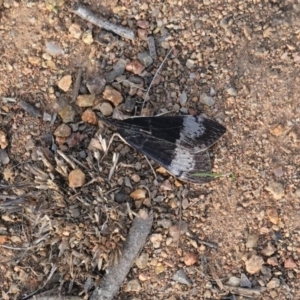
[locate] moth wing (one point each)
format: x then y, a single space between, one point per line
177 160
192 132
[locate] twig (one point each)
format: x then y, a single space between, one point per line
245 291
158 70
30 109
116 274
85 14
77 84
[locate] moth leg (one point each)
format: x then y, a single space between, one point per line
154 173
110 142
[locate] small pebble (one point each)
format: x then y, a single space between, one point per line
181 277
87 37
273 215
67 113
273 283
85 100
206 99
254 264
252 241
138 194
96 85
245 282
89 116
272 261
118 70
142 34
3 140
269 249
65 83
145 59
4 158
156 239
231 91
277 130
290 264
189 63
159 268
76 178
234 281
112 95
62 130
190 258
135 67
142 261
132 286
75 31
183 98
276 189
53 49
105 108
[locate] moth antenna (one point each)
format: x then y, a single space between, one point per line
156 73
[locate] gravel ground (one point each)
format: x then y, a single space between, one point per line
62 223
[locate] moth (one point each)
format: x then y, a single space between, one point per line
177 143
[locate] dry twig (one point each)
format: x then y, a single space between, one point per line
85 14
116 274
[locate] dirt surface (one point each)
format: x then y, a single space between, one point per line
237 62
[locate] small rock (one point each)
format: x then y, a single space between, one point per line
267 32
231 91
138 194
135 67
181 277
190 258
143 24
166 186
105 108
85 100
254 264
67 113
132 286
273 283
272 261
165 223
145 59
290 264
4 158
62 130
34 60
269 249
156 239
183 98
53 49
87 37
46 117
159 268
142 261
89 116
273 215
152 48
276 189
207 100
112 95
75 31
234 281
278 172
135 178
76 178
118 70
96 85
189 63
142 34
245 282
252 241
65 83
277 130
3 140
129 104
